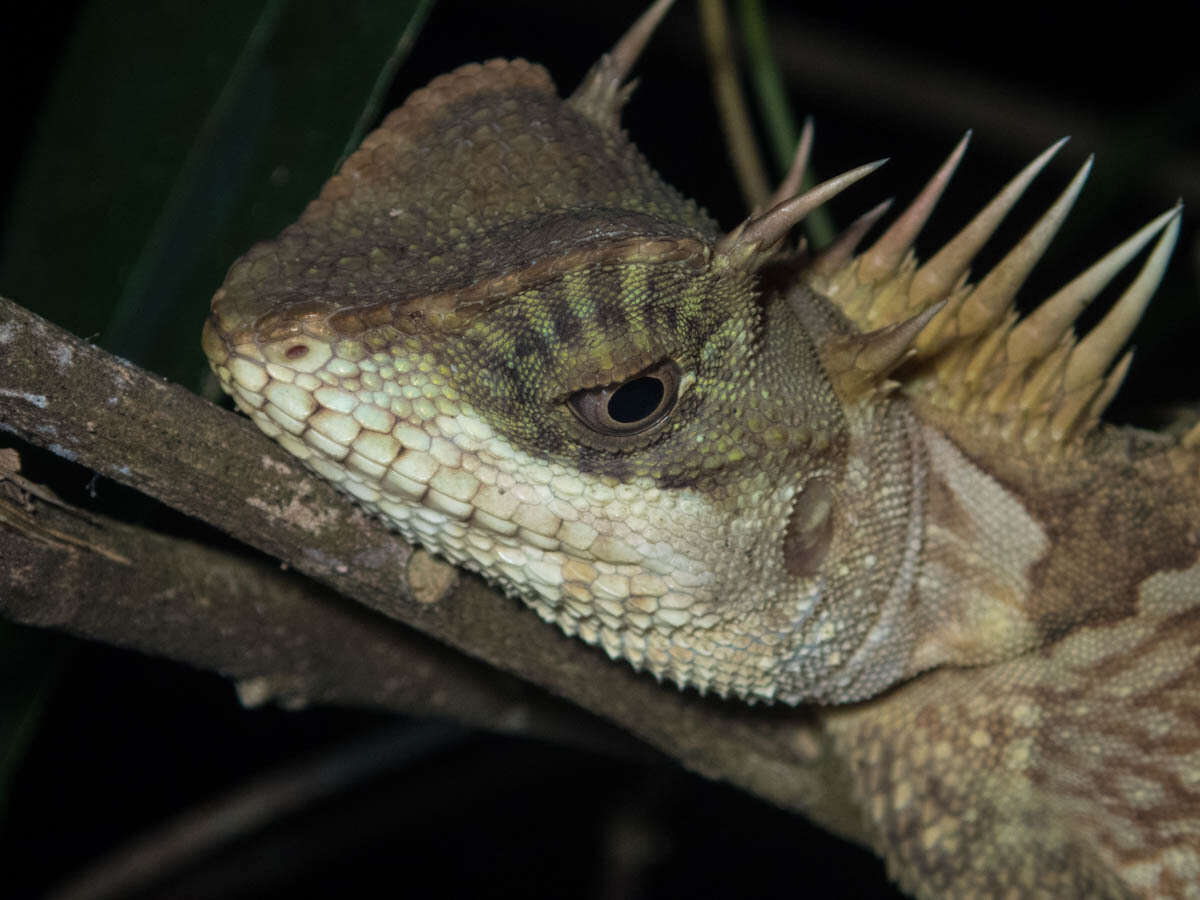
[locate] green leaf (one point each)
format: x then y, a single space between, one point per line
771 96
175 137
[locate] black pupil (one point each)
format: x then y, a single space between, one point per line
635 400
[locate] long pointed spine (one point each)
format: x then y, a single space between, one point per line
603 90
884 257
1039 331
935 278
794 180
836 255
745 245
995 293
1095 352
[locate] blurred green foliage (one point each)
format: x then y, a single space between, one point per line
176 135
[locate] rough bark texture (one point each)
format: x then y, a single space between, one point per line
292 639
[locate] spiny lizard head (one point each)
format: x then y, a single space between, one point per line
500 330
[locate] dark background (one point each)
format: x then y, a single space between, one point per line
106 746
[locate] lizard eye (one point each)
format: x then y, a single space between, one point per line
631 406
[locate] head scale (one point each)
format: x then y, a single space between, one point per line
500 329
497 327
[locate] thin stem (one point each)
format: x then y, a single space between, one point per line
782 130
731 106
370 110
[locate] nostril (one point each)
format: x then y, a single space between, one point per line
296 351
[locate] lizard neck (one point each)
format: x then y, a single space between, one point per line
880 528
1079 535
972 599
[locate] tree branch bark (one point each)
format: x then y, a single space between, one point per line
281 637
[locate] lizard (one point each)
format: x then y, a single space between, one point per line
846 479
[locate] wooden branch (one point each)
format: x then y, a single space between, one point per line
70 397
279 635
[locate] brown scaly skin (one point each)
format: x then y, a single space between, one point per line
848 480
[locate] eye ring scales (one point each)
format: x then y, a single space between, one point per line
629 407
